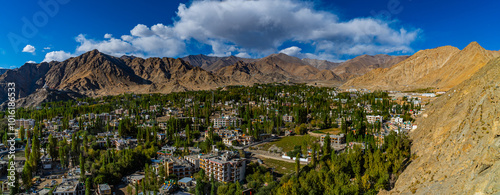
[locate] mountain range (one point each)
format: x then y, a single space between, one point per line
96 74
440 68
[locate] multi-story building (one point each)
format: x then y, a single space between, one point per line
225 168
373 118
396 120
178 166
26 123
226 121
287 118
334 139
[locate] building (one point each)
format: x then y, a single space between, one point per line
26 123
103 189
372 118
178 166
287 118
396 120
334 139
69 187
225 168
226 121
186 181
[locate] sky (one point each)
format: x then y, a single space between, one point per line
44 30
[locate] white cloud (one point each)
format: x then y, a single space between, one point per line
31 62
243 55
46 48
257 28
108 36
29 49
291 51
57 56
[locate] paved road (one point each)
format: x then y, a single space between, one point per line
275 157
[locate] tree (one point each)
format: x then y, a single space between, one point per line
52 147
136 188
27 175
21 133
313 156
82 167
297 164
188 134
87 186
212 188
327 148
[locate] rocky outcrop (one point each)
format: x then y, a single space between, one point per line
456 146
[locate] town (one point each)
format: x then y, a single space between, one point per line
261 139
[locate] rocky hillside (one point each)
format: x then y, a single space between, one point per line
321 64
457 142
276 68
361 65
442 68
212 63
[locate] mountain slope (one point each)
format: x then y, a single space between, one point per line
443 67
363 64
457 144
212 63
321 64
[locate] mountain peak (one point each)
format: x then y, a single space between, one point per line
473 46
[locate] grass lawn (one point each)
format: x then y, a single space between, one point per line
287 143
281 167
331 131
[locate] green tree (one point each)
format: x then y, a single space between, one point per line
297 164
27 175
87 186
82 167
52 147
327 148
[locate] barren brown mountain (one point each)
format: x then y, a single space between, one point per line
363 64
321 64
456 146
276 68
442 68
211 63
97 74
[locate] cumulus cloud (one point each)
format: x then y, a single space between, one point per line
108 36
31 62
57 56
29 49
257 28
291 51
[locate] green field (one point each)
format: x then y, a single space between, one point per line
331 131
287 143
281 167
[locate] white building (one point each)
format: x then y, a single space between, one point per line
373 118
396 120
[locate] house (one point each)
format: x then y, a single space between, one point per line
69 187
103 189
372 118
186 181
396 120
287 118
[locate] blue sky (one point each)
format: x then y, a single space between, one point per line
333 30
